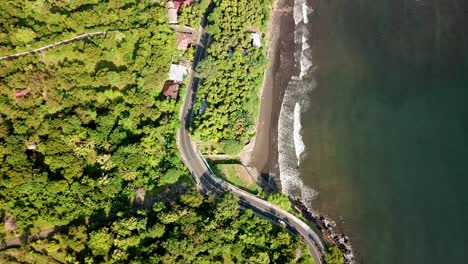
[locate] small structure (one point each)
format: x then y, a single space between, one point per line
140 196
21 93
185 63
9 223
184 40
179 3
256 39
203 106
171 12
171 90
177 73
173 8
32 146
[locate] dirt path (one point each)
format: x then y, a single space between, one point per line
54 45
165 196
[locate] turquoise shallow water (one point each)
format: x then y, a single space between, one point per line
387 128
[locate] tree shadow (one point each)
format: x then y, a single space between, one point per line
104 64
93 171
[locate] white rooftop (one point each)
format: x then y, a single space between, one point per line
171 12
177 72
256 39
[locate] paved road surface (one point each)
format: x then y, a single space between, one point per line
207 182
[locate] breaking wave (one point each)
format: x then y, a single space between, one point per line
301 37
306 56
292 149
301 12
298 11
306 12
297 132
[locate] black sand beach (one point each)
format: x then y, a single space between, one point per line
386 129
281 54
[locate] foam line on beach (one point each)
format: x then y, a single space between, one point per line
291 150
298 12
297 134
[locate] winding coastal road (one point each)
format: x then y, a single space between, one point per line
208 183
205 180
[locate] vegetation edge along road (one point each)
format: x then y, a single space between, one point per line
207 182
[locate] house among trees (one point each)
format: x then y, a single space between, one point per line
177 73
9 225
256 39
171 90
21 93
32 146
173 8
171 12
179 3
171 87
203 106
184 40
230 52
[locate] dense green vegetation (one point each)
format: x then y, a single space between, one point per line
232 71
84 134
192 15
192 230
26 24
334 256
281 200
88 111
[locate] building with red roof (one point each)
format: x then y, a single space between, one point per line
179 3
184 40
21 93
171 90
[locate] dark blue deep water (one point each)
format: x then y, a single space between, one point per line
387 128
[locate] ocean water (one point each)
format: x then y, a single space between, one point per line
379 117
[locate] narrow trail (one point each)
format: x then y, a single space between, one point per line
56 44
146 204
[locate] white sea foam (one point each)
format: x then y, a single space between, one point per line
305 12
303 54
298 13
297 134
305 39
301 12
308 195
306 63
305 58
292 149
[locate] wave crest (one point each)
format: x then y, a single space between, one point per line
297 134
291 150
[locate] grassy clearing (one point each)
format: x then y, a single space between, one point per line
232 147
236 174
228 147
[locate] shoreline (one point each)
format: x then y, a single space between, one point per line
262 152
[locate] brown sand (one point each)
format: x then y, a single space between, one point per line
264 155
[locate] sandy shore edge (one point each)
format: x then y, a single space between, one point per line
262 152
